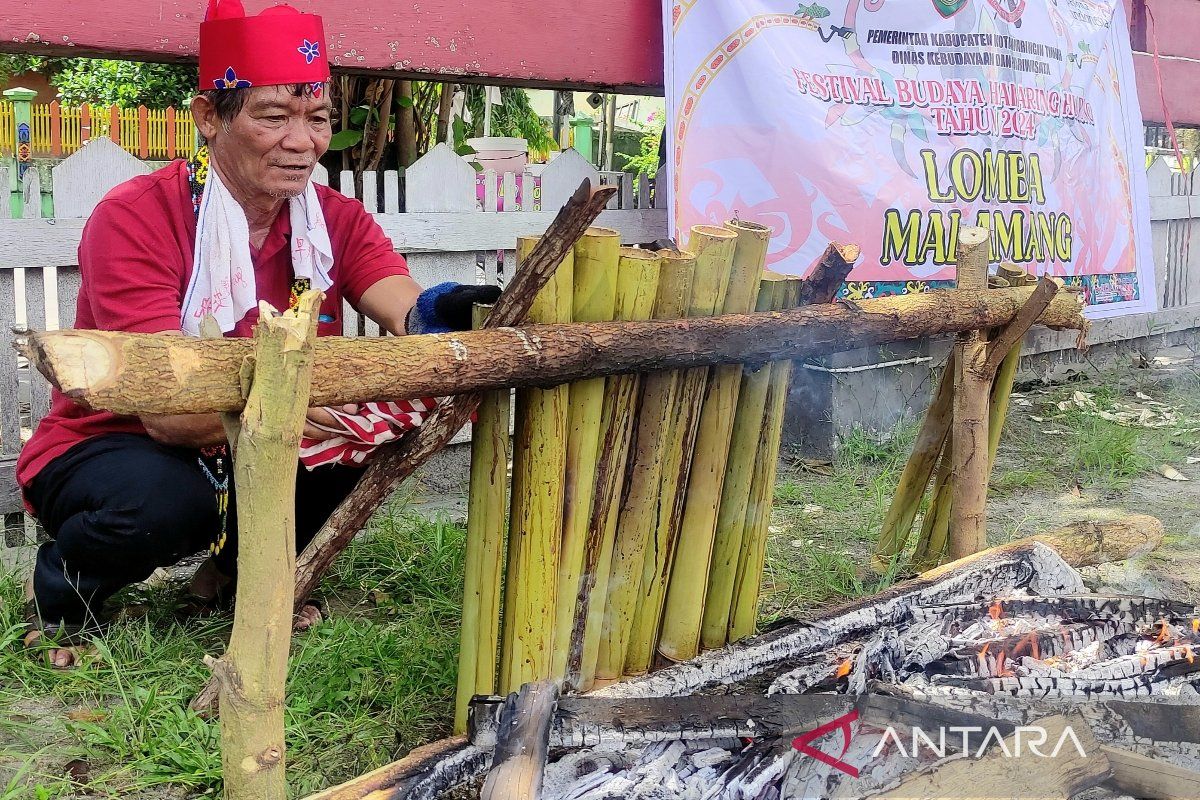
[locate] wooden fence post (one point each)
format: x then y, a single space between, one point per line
170 133
114 124
55 129
85 124
143 132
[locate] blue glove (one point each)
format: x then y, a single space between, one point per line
447 307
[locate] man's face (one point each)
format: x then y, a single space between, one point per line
272 145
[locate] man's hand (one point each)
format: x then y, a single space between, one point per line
319 422
447 307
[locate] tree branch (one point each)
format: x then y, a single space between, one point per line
1011 334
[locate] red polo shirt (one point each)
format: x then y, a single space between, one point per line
135 261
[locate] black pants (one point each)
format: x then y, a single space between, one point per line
120 506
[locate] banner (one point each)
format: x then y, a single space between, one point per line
892 124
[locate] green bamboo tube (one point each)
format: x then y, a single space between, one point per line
743 614
679 638
935 527
535 522
638 514
914 480
1006 375
486 507
735 491
594 299
713 247
637 283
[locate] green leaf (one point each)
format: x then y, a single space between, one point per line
358 116
465 150
343 140
404 102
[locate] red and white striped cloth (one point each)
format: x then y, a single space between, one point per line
357 434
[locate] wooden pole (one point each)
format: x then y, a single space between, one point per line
132 373
143 122
594 298
535 527
968 508
522 744
638 514
486 511
172 134
56 147
637 282
253 671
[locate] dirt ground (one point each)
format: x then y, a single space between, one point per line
378 679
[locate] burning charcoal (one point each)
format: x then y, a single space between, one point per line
881 658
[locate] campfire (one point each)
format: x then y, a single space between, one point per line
926 690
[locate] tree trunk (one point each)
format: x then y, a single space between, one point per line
253 672
406 126
131 373
445 111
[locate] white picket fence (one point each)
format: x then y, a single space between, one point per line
446 233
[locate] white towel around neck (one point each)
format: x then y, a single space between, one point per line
222 282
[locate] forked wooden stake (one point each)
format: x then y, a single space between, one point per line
976 361
252 673
968 521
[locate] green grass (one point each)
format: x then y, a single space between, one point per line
375 681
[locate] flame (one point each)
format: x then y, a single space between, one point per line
1145 662
1187 651
1196 625
1164 631
844 668
983 667
1001 670
1028 644
995 610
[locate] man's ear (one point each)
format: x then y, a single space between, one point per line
204 112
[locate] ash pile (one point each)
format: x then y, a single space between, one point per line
1005 678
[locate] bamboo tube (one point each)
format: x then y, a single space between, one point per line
487 499
1007 374
935 429
637 283
714 260
638 515
594 299
935 527
679 639
535 523
739 472
743 614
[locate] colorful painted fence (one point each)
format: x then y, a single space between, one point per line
59 130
